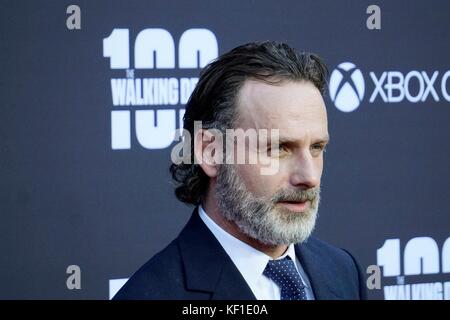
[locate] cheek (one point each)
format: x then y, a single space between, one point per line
319 165
318 170
256 183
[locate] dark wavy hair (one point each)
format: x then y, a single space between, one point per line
213 99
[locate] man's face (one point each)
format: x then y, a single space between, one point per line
280 208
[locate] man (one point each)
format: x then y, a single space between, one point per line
249 235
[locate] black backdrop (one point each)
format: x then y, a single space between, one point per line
67 197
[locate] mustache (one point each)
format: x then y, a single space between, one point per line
296 195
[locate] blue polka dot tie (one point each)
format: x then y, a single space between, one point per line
286 276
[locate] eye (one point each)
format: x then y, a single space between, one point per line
277 150
282 147
319 147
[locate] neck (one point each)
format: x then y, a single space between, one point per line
212 210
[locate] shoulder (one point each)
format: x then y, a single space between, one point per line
159 277
334 256
339 265
165 275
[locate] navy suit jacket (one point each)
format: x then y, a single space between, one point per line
194 266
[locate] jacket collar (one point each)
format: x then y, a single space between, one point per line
207 266
320 276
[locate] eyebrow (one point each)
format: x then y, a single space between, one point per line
325 139
288 141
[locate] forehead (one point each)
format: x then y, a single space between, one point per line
295 108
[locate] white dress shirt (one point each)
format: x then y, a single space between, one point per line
251 262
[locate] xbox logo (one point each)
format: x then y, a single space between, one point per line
346 87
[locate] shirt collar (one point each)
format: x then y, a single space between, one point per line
249 261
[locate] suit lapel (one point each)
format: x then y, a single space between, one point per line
208 268
314 265
231 285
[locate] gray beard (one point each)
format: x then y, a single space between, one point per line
261 218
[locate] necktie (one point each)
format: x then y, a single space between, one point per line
286 276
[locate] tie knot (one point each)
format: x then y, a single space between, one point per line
284 273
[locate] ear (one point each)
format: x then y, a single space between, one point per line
208 150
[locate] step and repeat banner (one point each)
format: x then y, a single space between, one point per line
92 91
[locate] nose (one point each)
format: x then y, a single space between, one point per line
306 171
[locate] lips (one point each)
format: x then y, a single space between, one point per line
295 206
